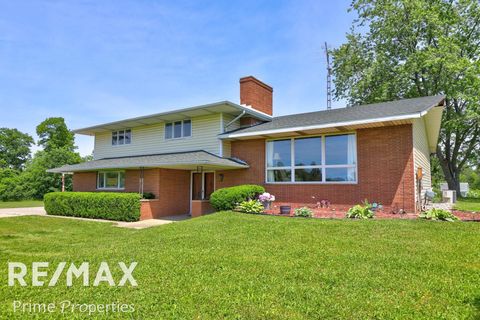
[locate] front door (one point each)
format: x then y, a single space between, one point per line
203 185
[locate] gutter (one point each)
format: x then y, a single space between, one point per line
235 119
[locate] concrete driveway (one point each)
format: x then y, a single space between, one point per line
15 212
39 211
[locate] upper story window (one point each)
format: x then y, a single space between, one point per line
331 158
121 137
178 129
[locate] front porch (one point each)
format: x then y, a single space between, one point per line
180 183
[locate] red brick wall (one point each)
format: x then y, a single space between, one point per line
249 121
87 181
257 94
174 191
385 171
171 188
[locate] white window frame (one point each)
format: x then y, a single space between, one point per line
182 136
323 166
116 132
118 172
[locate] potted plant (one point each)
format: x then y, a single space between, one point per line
266 199
285 209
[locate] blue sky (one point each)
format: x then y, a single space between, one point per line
99 61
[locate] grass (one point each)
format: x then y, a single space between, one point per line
468 204
239 266
21 204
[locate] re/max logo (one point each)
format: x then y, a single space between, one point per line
17 273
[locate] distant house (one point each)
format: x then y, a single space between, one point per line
344 155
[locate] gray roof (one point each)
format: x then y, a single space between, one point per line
174 115
369 112
179 160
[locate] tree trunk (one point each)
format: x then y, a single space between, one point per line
452 175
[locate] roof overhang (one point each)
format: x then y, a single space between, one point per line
174 115
433 114
181 161
433 122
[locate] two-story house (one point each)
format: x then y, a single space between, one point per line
375 152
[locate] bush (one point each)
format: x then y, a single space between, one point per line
250 206
473 193
361 212
229 198
95 205
438 214
148 195
303 212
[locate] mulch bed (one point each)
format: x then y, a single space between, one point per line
339 212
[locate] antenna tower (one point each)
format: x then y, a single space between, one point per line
329 79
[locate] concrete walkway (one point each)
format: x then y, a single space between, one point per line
39 211
15 212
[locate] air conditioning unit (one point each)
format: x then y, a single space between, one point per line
449 196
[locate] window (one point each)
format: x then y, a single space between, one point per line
121 137
178 129
111 180
331 158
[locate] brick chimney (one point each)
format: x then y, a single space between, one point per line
256 94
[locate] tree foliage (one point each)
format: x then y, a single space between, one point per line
412 48
53 133
14 148
26 178
36 181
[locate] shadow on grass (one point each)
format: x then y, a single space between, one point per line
476 304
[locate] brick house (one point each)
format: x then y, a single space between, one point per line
380 152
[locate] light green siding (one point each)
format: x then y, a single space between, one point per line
226 145
421 154
150 139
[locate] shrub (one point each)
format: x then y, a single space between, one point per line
95 205
250 206
438 214
361 212
148 195
229 198
474 193
303 212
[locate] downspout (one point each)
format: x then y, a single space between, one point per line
141 181
235 119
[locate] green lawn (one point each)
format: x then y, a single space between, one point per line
239 266
468 204
21 204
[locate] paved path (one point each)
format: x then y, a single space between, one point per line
39 211
15 212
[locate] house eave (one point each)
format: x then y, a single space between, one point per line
173 115
381 121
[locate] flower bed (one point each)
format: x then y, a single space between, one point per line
336 211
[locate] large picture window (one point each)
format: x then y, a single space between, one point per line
178 129
321 159
111 180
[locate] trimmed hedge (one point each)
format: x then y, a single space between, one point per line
229 198
95 205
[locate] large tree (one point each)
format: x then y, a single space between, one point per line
14 148
410 48
53 133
